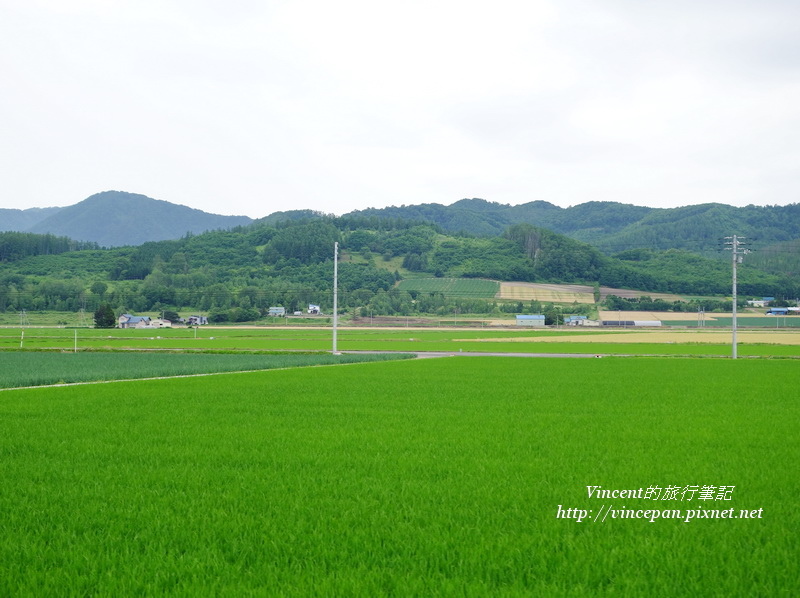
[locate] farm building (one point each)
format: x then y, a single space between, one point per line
580 321
778 311
129 321
536 321
763 302
277 311
314 309
574 320
196 320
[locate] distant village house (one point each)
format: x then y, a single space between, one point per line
129 321
760 302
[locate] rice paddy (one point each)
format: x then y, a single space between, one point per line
428 477
765 343
19 369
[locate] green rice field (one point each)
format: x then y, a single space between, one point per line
242 340
18 369
457 476
744 322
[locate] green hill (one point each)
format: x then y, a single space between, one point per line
236 275
115 218
614 227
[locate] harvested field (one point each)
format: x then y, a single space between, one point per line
568 293
550 293
660 336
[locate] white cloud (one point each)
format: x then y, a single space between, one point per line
254 107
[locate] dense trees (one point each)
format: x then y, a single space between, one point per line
15 246
303 241
679 271
646 303
612 226
104 317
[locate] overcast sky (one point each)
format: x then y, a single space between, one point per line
251 107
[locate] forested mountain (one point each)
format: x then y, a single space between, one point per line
116 218
276 217
782 259
703 228
614 227
237 274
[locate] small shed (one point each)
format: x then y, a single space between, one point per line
536 321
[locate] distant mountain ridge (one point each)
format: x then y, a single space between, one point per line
22 220
611 226
117 218
481 217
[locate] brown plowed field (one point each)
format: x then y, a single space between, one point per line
568 293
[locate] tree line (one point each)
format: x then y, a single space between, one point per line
16 246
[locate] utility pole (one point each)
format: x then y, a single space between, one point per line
335 294
737 253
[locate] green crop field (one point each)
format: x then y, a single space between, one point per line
452 287
744 322
455 476
242 340
26 368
